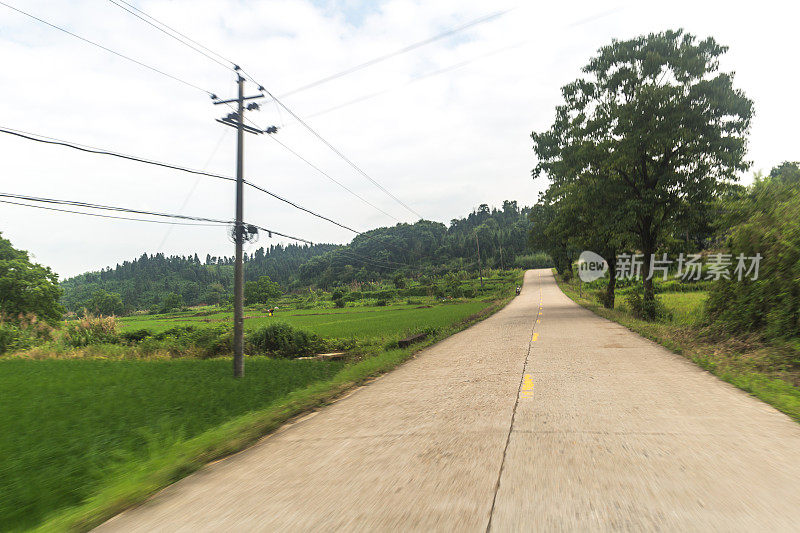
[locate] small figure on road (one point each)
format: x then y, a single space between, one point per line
519 290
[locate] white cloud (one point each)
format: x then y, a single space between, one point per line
444 143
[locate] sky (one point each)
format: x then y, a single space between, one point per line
444 127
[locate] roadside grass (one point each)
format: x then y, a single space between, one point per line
745 363
177 438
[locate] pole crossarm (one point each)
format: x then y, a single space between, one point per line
231 100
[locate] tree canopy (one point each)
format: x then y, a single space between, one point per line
654 129
27 287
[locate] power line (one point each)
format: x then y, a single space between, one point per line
160 27
403 50
194 187
331 178
88 205
273 232
112 216
436 72
302 208
98 45
93 150
314 132
342 156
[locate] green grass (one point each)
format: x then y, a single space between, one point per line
739 365
68 425
686 307
83 439
362 323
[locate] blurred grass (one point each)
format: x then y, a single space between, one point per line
69 424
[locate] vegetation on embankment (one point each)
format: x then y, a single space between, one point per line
126 427
759 367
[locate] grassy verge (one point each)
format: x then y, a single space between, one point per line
144 475
745 363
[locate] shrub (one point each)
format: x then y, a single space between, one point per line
647 310
417 291
13 338
604 298
381 303
338 294
282 340
389 294
339 302
770 305
91 330
135 335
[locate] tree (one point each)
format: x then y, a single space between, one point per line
27 287
550 235
216 294
105 303
171 302
656 119
261 291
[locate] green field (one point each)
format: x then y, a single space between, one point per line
70 424
359 322
88 430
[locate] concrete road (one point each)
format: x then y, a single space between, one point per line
527 421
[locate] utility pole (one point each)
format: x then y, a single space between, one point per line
480 269
241 232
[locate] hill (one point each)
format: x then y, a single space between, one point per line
424 248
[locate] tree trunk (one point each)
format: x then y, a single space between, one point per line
608 302
649 296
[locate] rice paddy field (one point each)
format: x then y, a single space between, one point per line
69 425
363 323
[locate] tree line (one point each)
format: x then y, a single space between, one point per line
162 283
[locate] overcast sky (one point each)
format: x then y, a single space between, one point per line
446 129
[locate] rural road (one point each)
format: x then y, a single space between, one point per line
572 423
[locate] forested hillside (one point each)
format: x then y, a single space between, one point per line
424 248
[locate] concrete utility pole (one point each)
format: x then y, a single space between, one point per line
238 269
241 232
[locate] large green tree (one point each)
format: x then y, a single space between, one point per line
657 121
262 291
27 287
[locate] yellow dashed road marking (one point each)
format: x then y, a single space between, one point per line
535 337
527 386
